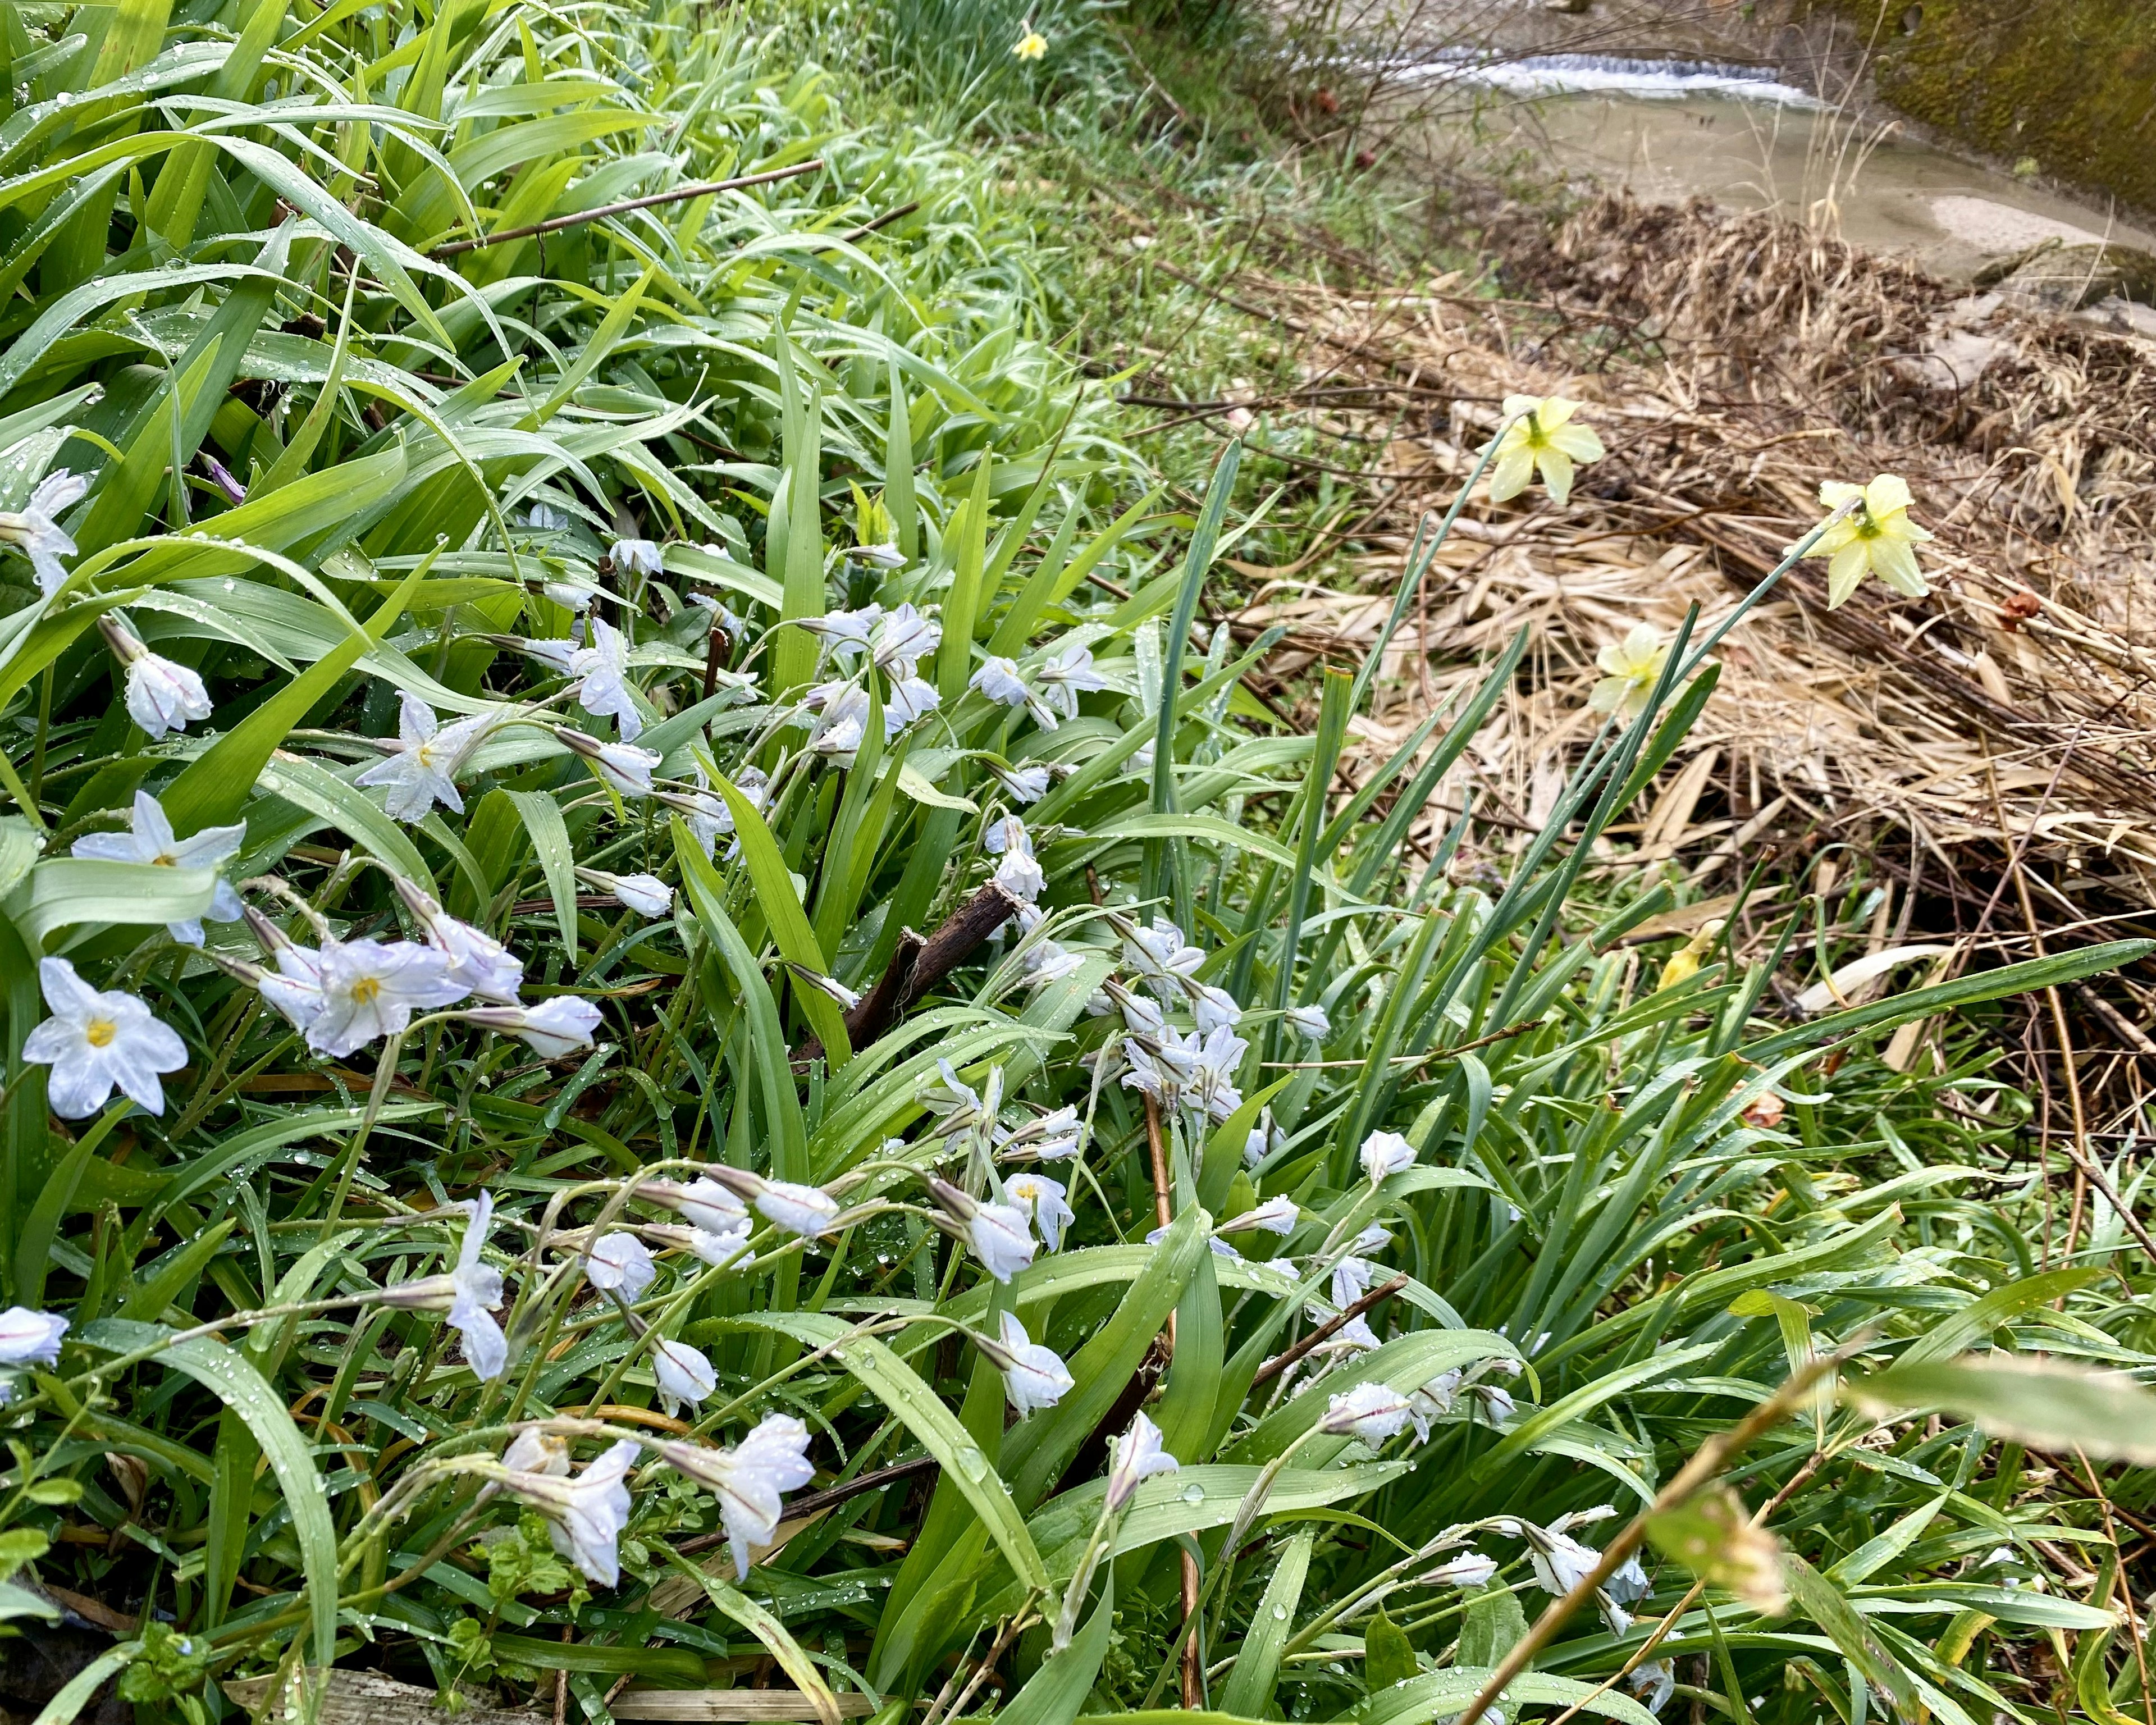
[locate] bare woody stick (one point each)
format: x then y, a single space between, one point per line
679 194
1339 1321
1164 1210
918 964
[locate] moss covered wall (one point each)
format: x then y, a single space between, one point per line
2071 84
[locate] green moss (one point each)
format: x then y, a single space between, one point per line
2070 84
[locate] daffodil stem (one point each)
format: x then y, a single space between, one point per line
1705 1463
1419 558
1790 558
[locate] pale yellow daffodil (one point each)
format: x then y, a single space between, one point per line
1542 436
1031 46
1875 537
1630 670
1684 963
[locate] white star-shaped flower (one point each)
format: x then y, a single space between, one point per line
1373 1412
550 1029
584 1515
1385 1154
1066 675
30 1339
1139 1455
37 529
684 1373
98 1042
149 839
429 755
605 691
1034 1376
479 962
1045 1202
619 1264
370 988
470 1294
998 679
749 1479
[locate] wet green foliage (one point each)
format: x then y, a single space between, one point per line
1194 1045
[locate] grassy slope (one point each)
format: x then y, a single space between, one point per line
1590 1189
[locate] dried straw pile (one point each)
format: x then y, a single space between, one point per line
1733 364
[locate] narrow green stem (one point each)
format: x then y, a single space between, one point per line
385 1070
1790 558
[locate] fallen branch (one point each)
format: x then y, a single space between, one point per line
919 964
1339 1321
679 194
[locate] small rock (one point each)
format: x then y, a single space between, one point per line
2057 277
1960 345
2123 317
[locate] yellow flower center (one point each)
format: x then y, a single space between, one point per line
367 991
99 1033
163 862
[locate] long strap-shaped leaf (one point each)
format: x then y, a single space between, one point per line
789 1141
2023 978
1204 538
215 787
900 1388
795 508
1250 1690
767 1629
1053 1695
557 857
237 1384
773 883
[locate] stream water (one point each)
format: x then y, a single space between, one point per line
1671 128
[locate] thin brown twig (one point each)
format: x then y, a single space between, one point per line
1670 1619
554 224
815 1503
1163 1207
1333 1325
2124 1584
2087 1170
888 217
1019 1620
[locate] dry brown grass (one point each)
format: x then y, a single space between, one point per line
1732 365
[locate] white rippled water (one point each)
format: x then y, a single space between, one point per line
1586 74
